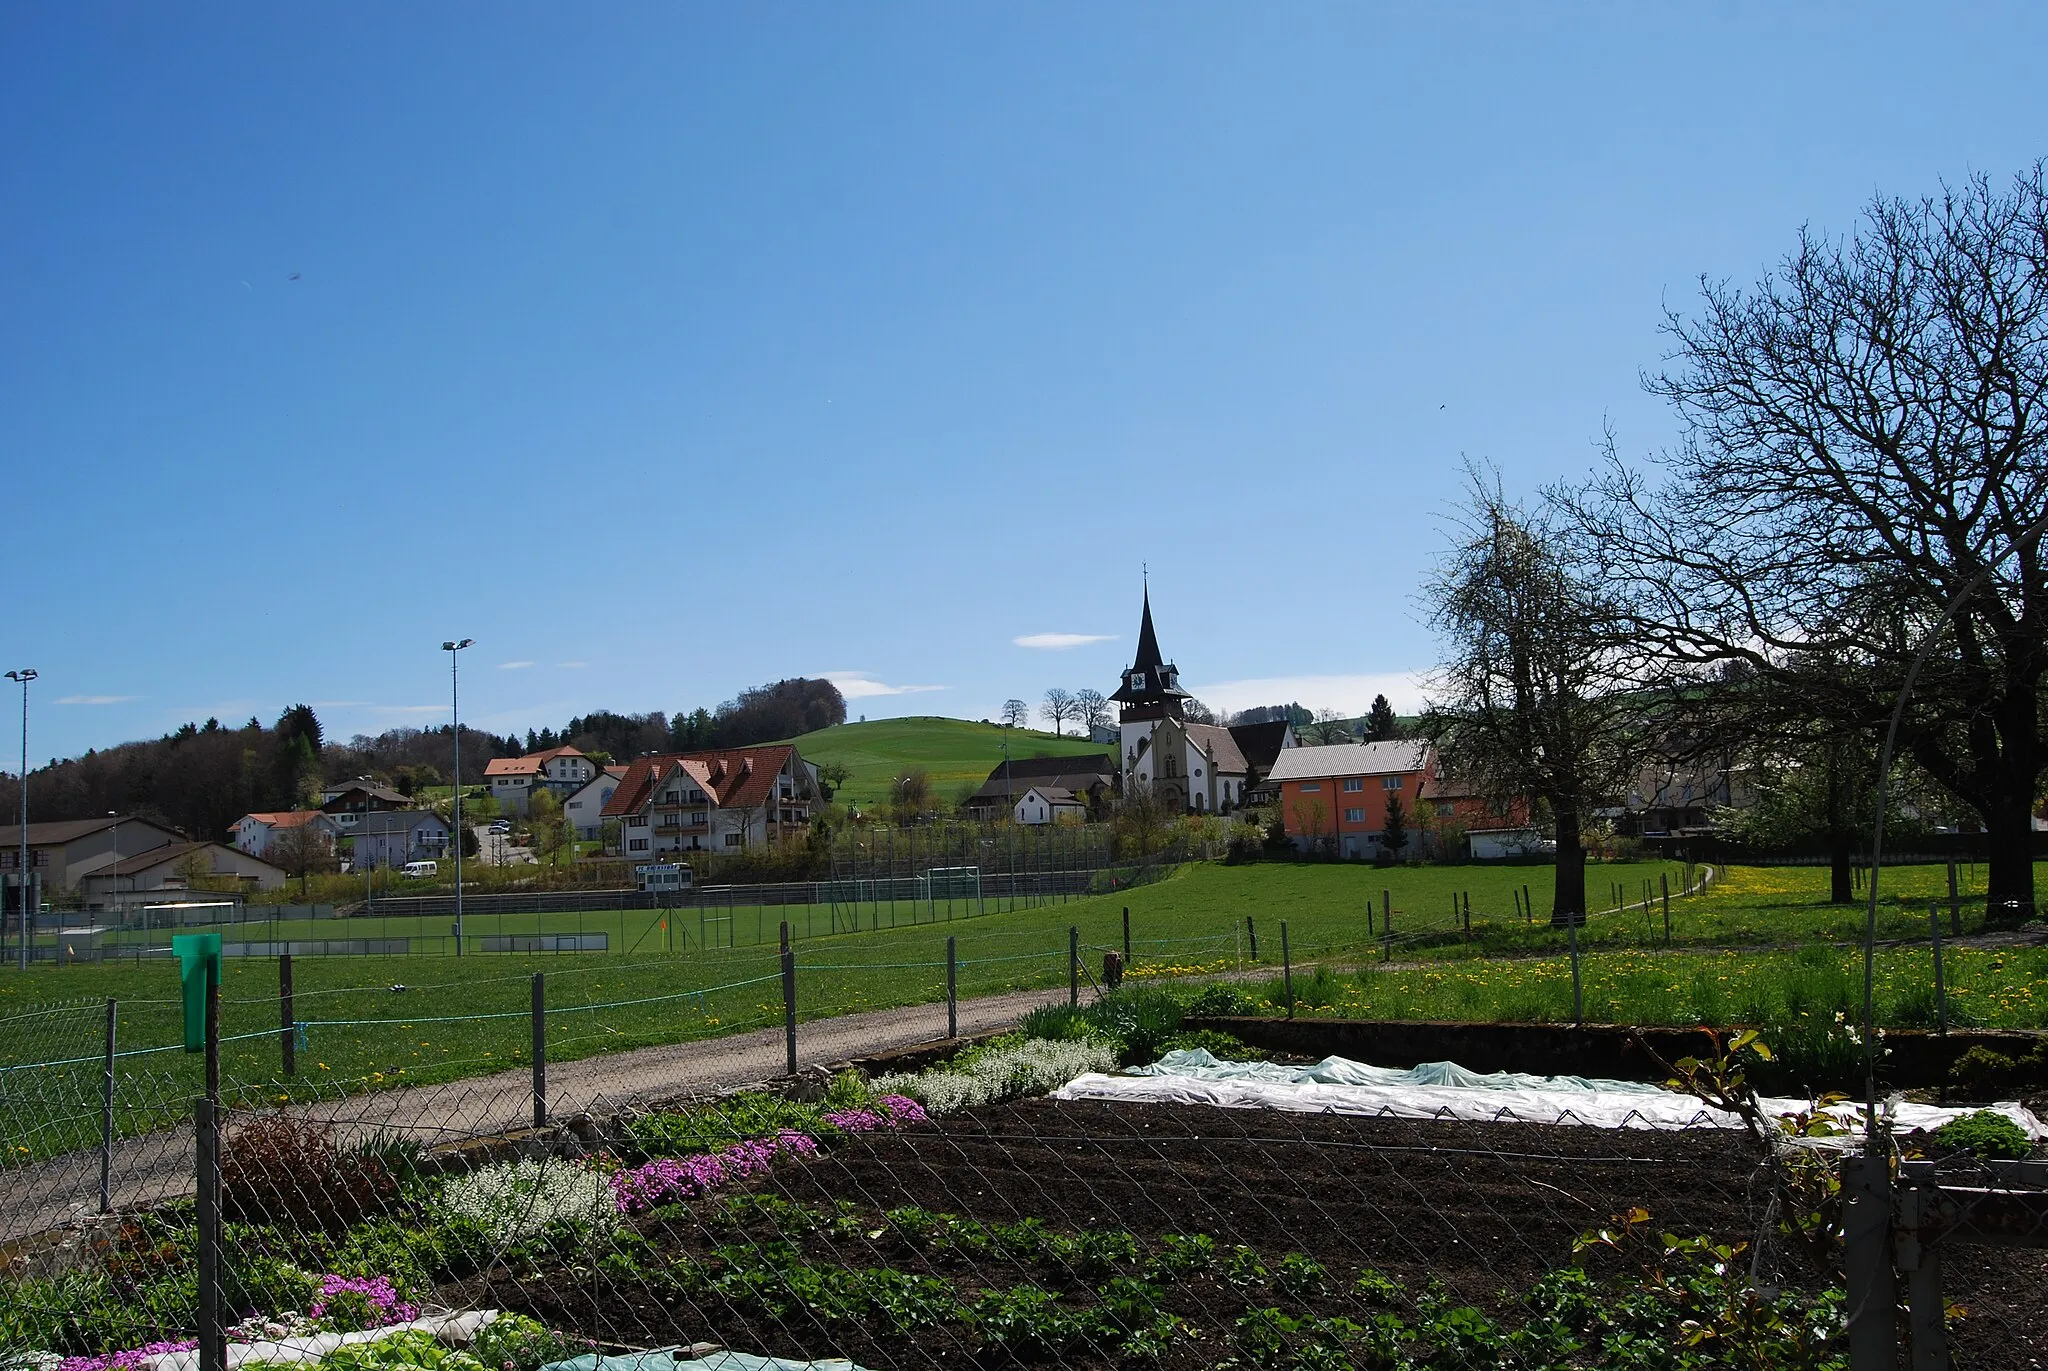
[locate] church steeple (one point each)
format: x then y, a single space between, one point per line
1150 688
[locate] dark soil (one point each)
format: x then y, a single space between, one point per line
1483 1209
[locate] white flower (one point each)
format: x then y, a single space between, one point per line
514 1201
1028 1068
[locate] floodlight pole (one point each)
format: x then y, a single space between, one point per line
454 649
24 675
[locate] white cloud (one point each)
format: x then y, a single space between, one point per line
514 666
858 685
1350 695
1063 640
96 699
409 709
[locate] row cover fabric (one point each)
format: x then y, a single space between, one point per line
1445 1090
710 1361
457 1330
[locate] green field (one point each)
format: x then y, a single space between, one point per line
953 752
462 1017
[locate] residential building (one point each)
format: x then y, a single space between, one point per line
1485 828
1336 796
1090 778
1201 768
393 837
254 833
1048 804
585 806
515 780
63 853
348 801
171 866
713 801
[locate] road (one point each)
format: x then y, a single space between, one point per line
159 1166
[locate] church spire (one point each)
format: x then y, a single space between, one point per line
1148 641
1149 687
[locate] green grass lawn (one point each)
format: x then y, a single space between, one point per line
953 752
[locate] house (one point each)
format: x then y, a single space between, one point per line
1484 827
64 852
172 866
1048 804
1198 767
1090 778
348 801
1336 796
514 780
585 807
1261 745
713 801
393 837
254 833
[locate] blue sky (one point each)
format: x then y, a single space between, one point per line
668 349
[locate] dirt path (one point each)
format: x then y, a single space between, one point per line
159 1166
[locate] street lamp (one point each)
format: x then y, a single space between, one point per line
452 648
24 675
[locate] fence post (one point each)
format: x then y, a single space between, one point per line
540 1051
1518 901
212 1342
1287 967
1127 935
788 1003
1528 905
1251 933
1940 985
1664 883
1955 904
1867 1263
1074 966
287 1038
1578 994
213 1030
1386 910
1468 916
952 990
107 1120
1926 1314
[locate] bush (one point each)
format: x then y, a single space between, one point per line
1058 1023
285 1170
1987 1134
707 1128
1218 1002
1139 1019
513 1342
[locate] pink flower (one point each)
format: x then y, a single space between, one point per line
122 1361
903 1109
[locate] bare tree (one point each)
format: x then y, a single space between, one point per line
302 850
1328 727
1197 712
1538 698
1058 708
1091 707
1016 714
1866 448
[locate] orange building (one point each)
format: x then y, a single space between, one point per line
1338 794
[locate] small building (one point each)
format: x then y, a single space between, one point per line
393 837
514 780
723 800
1048 804
195 866
64 852
1335 797
254 833
1089 777
346 802
584 808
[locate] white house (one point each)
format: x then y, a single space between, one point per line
698 801
394 837
1049 804
513 780
254 833
585 807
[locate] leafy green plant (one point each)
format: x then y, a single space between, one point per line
1300 1277
1377 1288
849 1090
1243 1269
408 1351
1129 1304
1098 1251
1023 1319
1219 1001
706 1128
513 1342
1987 1134
1182 1254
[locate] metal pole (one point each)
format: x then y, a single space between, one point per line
952 990
287 1037
1251 934
24 675
107 1120
1664 883
1074 966
1955 904
213 1030
454 651
1940 986
789 1006
1127 935
1867 1263
212 1342
1387 910
540 1051
1578 995
1287 967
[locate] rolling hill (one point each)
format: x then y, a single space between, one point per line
953 752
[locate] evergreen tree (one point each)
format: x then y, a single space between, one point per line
1394 832
1379 723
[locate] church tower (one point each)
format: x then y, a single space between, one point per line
1149 693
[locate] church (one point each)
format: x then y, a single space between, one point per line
1196 767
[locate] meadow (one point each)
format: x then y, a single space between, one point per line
952 752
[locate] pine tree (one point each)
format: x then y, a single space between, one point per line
1379 723
1394 832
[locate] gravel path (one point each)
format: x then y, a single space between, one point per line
159 1166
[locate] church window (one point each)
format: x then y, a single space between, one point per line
1198 771
1172 768
1198 800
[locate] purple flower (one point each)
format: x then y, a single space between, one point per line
122 1361
855 1120
680 1178
902 1109
373 1300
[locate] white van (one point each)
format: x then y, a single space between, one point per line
422 869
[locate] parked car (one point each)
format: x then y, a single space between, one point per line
501 826
418 869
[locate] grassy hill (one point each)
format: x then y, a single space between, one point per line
953 752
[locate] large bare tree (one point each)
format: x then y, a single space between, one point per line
1866 450
1058 708
1091 707
1541 699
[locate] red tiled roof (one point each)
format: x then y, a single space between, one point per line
734 778
286 818
528 765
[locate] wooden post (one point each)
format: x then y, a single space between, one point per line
1251 933
1074 966
540 1052
287 1021
952 990
1287 967
1867 1263
1664 881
